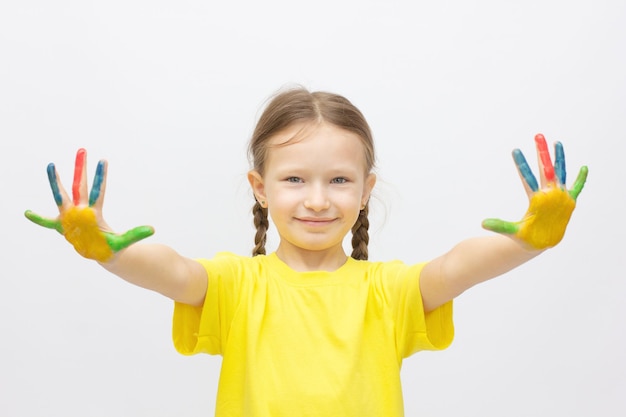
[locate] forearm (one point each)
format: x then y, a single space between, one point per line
469 263
161 269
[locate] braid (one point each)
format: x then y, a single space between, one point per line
261 223
360 237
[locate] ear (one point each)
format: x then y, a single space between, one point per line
368 186
258 186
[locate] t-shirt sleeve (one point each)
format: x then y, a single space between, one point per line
415 330
204 329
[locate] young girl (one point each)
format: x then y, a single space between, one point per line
308 330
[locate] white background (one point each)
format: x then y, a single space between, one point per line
168 92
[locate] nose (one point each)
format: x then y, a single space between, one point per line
317 198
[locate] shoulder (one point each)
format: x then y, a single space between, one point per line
389 269
392 278
228 263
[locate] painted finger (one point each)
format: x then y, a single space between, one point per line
546 169
96 196
559 163
58 192
530 182
500 226
79 186
44 221
119 242
579 184
54 184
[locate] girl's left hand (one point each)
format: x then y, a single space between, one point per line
550 207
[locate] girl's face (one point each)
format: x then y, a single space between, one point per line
314 188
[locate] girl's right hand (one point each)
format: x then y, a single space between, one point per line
80 221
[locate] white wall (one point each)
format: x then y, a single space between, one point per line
169 91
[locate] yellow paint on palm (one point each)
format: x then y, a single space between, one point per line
545 221
80 228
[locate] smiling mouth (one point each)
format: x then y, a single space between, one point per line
314 221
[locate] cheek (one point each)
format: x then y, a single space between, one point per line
279 199
348 200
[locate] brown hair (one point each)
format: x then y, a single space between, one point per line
300 105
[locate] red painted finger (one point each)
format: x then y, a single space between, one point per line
544 156
79 175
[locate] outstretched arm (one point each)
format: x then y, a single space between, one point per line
160 268
80 221
479 259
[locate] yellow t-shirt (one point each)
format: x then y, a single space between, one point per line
298 344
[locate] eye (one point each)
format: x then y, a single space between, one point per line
339 180
294 179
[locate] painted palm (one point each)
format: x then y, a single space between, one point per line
80 219
550 203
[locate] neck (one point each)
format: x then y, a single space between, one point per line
306 260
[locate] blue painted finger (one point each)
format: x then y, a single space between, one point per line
54 184
559 163
96 188
524 169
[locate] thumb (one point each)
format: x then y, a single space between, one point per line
500 226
